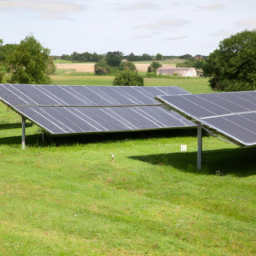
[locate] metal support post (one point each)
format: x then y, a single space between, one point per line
199 147
42 136
23 131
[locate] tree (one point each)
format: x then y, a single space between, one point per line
186 56
30 63
6 50
131 57
114 58
159 56
128 78
101 68
231 67
128 65
155 65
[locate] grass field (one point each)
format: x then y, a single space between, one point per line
64 196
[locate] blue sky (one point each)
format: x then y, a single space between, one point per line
169 27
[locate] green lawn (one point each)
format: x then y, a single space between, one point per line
64 196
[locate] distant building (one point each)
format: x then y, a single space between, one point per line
181 71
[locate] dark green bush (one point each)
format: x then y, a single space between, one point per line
128 65
128 78
101 68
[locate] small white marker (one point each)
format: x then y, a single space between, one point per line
183 148
112 157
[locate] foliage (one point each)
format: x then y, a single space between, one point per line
159 56
83 57
114 59
127 65
128 78
30 63
231 67
132 57
186 56
192 63
101 68
6 50
149 69
155 65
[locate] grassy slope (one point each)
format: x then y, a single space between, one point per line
72 200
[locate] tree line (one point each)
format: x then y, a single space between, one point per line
94 57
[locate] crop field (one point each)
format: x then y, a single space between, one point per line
89 67
65 196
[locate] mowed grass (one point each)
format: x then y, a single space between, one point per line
65 196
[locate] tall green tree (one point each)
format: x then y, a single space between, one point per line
155 65
232 66
30 63
114 58
159 56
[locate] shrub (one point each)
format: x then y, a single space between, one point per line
128 78
155 65
128 65
101 68
100 71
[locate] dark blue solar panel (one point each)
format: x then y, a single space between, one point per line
68 120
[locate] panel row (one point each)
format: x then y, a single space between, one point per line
216 104
71 120
54 95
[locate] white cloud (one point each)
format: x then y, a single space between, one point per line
47 9
138 7
143 36
251 23
222 33
162 24
213 7
174 38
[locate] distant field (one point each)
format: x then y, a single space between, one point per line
89 67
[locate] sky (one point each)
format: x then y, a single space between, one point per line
169 27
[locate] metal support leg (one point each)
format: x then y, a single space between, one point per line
199 147
23 132
42 136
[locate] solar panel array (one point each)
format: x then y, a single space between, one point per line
92 109
233 114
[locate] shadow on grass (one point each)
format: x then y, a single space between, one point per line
36 140
239 161
13 126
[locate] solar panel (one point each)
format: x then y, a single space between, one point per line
54 95
232 114
91 109
71 120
